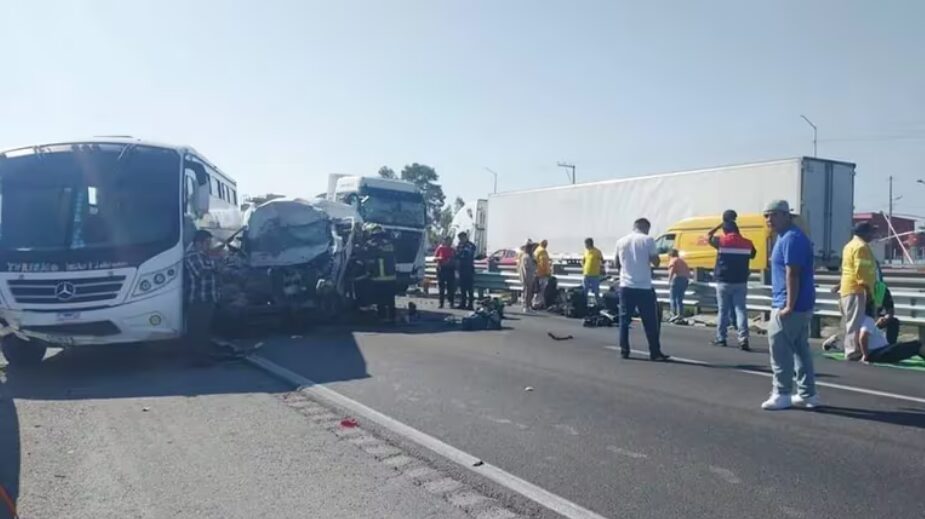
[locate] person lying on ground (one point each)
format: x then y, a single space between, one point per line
875 347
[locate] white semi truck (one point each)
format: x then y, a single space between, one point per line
821 191
398 207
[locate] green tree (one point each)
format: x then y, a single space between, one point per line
426 178
386 172
443 225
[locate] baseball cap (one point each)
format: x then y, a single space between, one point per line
777 206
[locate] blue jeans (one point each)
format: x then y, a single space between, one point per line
788 338
644 300
731 300
592 284
676 299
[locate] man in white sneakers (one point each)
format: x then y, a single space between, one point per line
793 296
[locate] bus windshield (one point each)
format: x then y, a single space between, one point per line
72 197
393 208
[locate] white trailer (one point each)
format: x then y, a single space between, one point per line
821 191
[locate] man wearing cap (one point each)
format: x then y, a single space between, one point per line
734 252
793 295
858 277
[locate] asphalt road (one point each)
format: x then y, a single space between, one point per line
135 433
634 438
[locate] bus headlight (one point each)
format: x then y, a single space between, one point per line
153 281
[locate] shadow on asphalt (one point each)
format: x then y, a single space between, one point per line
331 353
911 418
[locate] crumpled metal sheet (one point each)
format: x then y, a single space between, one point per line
287 232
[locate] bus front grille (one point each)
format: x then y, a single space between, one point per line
66 291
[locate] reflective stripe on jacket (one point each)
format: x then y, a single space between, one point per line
734 252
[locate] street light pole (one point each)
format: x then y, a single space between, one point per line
815 141
568 166
891 199
494 174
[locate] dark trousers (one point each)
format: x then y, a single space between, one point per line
446 284
895 352
198 337
466 288
383 293
643 300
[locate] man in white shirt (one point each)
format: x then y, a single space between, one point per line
635 257
875 347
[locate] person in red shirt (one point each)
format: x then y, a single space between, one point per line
445 256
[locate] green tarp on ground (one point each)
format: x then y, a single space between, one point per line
915 363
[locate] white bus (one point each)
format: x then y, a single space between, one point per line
92 238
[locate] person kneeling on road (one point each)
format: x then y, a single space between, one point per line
876 348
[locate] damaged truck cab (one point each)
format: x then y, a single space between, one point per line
399 208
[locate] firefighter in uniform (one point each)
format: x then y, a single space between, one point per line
376 284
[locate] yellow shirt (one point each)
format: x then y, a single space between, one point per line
591 265
858 268
543 264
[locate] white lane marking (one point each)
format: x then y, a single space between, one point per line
545 498
679 359
872 392
629 454
726 474
853 389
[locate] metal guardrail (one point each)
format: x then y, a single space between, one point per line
908 298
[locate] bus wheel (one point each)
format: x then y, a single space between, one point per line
22 353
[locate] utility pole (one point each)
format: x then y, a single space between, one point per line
891 198
815 149
494 174
568 166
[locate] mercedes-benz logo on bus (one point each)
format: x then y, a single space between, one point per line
65 291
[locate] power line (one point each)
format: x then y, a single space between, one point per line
877 139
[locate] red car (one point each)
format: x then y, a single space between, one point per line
505 257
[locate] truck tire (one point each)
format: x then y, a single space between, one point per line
21 353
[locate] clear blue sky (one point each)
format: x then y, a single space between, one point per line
281 93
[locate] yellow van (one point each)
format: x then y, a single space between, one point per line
689 236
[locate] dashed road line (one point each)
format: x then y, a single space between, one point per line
539 495
832 385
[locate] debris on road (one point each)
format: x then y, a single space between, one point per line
349 423
528 388
559 337
145 409
478 463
